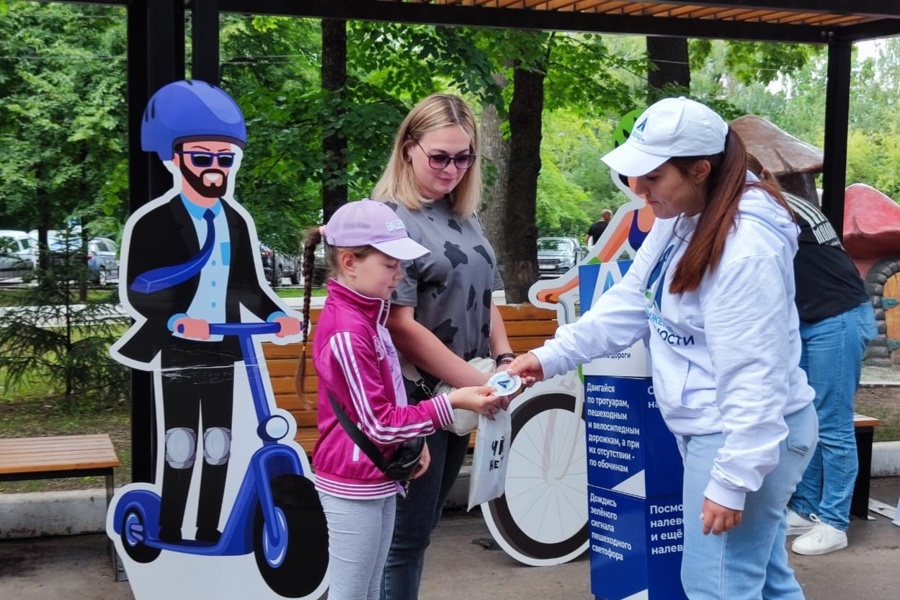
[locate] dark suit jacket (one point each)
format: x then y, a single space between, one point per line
166 236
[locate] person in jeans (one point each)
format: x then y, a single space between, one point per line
711 289
442 314
837 322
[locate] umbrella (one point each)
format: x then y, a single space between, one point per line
778 151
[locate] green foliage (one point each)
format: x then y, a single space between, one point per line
47 336
754 62
62 109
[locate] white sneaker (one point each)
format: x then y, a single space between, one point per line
797 525
822 539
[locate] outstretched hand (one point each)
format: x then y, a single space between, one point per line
480 398
528 367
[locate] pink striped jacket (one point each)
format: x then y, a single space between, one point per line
357 362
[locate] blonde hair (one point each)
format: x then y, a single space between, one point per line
398 182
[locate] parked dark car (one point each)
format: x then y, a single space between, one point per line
556 255
102 256
277 266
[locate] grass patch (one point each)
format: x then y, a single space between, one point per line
883 403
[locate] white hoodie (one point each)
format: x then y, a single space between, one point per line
725 356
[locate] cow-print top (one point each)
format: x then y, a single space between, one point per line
451 287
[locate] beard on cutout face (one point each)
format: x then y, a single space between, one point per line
204 189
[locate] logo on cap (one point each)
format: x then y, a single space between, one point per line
638 130
395 225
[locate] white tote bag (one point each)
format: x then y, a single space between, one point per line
488 476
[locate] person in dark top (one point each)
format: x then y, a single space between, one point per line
837 322
596 230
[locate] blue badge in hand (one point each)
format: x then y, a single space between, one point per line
504 384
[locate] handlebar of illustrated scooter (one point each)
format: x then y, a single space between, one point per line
240 329
243 328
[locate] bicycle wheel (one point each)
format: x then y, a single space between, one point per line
542 518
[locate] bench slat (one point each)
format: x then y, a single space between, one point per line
56 453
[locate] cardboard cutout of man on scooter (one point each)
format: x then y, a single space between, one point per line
232 512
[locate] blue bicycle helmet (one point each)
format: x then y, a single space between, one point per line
190 110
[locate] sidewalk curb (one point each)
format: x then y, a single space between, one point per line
46 514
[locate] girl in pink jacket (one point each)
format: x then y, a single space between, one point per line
357 365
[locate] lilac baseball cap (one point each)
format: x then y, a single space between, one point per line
371 223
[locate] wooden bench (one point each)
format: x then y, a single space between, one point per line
59 456
864 427
527 327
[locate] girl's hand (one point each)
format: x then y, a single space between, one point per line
528 367
480 399
424 462
719 519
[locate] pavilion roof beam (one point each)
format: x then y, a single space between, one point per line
426 14
879 10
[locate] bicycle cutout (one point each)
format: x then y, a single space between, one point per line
542 518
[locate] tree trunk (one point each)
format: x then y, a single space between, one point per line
334 146
495 168
668 66
518 260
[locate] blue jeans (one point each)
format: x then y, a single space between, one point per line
750 561
418 514
832 356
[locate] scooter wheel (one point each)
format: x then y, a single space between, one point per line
134 538
293 566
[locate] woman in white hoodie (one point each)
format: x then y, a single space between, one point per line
712 288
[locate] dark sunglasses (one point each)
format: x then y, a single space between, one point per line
205 159
439 162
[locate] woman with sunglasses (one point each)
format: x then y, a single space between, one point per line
442 314
712 290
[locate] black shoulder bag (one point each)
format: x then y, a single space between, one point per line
405 460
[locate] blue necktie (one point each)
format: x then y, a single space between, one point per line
166 277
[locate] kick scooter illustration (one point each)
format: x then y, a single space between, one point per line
276 513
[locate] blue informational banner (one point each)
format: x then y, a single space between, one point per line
636 546
630 449
634 470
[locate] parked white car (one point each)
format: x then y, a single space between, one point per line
21 244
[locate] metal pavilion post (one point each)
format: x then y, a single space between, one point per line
155 58
837 113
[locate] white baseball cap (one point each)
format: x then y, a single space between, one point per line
670 128
371 223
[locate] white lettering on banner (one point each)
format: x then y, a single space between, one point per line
611 541
600 387
609 402
622 429
617 556
601 525
602 512
673 522
667 549
656 509
604 501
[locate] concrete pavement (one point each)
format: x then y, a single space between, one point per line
463 562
